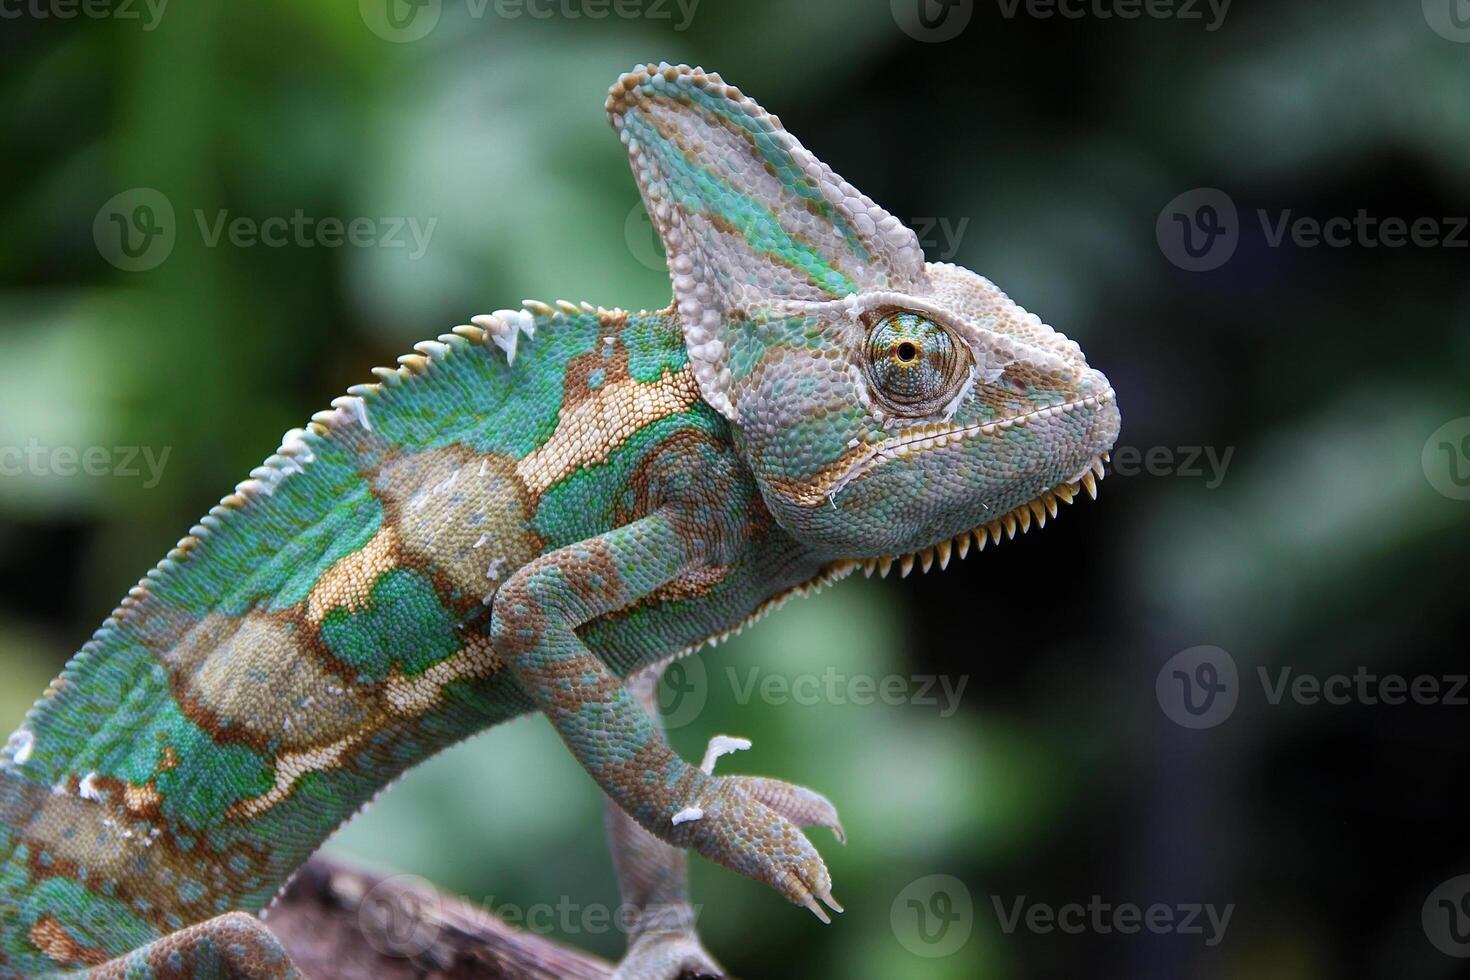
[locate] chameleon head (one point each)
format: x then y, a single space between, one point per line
886 405
889 422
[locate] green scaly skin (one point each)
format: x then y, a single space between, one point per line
520 517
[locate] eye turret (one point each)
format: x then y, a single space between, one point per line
913 364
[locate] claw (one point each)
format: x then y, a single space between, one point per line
816 909
826 896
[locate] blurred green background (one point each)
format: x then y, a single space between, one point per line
1042 151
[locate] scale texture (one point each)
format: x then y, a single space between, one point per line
521 516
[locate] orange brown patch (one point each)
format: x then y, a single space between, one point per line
50 937
694 584
348 584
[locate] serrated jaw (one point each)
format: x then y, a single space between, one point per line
1037 512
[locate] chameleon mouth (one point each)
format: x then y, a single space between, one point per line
1036 511
936 436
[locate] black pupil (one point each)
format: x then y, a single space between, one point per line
907 352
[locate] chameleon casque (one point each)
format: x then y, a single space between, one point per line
534 513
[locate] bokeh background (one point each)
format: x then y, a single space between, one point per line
1049 153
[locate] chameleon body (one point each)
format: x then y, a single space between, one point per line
521 516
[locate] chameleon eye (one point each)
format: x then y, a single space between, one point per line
914 365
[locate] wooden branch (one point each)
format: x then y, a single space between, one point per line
345 923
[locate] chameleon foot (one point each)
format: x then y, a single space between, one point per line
749 824
663 955
803 807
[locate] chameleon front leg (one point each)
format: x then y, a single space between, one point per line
534 622
653 880
236 946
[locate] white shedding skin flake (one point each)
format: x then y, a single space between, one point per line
688 815
721 745
88 790
20 746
